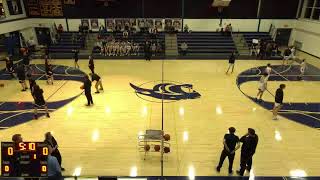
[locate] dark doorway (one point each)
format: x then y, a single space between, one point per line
283 36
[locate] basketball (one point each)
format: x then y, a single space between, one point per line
166 149
157 148
82 87
166 137
147 147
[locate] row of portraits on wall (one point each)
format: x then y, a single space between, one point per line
160 24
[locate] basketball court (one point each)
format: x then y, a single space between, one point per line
202 103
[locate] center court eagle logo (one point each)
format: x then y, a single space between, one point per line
170 91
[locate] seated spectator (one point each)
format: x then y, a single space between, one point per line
153 48
186 28
60 29
54 169
228 29
125 35
184 48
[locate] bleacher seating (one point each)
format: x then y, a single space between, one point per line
256 35
204 44
66 44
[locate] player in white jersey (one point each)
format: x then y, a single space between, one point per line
268 69
262 86
303 66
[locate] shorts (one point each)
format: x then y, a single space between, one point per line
286 57
277 104
39 103
302 70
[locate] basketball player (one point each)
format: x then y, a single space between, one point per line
286 56
39 101
262 86
248 149
230 145
91 64
232 60
87 90
9 66
76 58
268 69
302 69
49 74
21 74
97 78
278 101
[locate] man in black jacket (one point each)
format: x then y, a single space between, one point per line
249 145
278 101
230 145
87 90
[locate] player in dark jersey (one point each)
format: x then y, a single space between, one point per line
278 101
76 58
49 73
9 66
21 74
39 101
97 78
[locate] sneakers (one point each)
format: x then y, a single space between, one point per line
274 118
230 172
48 116
217 169
97 92
35 117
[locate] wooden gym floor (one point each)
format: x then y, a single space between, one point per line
102 139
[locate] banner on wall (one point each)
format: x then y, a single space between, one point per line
94 23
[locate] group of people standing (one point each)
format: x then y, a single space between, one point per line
231 143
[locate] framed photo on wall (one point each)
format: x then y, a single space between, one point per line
94 23
110 24
85 22
158 24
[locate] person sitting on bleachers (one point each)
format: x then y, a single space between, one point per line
31 44
125 35
184 48
228 29
186 28
60 29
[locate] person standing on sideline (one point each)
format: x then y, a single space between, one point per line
9 66
91 64
54 169
39 101
268 69
278 101
51 142
21 74
303 66
76 58
231 145
87 90
286 56
97 78
49 73
249 145
232 60
147 51
262 86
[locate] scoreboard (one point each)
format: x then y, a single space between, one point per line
26 159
